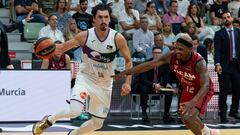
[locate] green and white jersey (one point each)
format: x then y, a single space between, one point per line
98 56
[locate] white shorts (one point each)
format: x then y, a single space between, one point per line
100 96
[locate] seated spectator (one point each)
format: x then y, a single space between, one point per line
162 6
62 14
118 6
70 31
91 4
23 7
51 30
83 19
151 82
154 21
168 34
216 11
183 7
140 5
234 8
128 20
202 33
73 6
57 61
199 47
193 15
143 39
46 7
173 17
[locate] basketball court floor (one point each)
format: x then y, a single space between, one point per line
123 126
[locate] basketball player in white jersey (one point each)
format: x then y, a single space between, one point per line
100 46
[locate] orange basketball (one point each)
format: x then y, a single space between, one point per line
44 48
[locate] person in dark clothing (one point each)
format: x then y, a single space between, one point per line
151 82
4 58
199 48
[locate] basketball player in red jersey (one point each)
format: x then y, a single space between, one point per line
191 70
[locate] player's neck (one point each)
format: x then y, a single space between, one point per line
102 34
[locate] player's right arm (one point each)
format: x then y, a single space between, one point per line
78 40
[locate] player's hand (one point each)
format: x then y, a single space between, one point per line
118 76
218 69
186 107
126 88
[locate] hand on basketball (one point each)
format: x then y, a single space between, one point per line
126 88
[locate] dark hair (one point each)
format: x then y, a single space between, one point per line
226 11
208 41
156 47
101 7
81 1
56 6
183 29
190 6
172 1
148 5
58 42
194 37
49 17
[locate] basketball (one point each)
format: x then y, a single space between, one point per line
44 48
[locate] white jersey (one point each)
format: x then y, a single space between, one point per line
98 57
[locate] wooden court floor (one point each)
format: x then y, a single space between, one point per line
149 132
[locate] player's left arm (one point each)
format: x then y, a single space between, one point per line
201 68
124 50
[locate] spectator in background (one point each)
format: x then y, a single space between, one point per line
173 17
162 6
91 4
154 21
234 8
62 14
129 20
168 34
23 7
5 62
83 19
46 7
216 11
202 33
73 6
118 6
57 62
70 31
51 29
143 39
151 82
199 48
159 42
209 44
193 15
226 59
183 7
140 5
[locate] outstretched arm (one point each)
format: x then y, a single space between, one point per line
163 59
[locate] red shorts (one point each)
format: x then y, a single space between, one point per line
201 105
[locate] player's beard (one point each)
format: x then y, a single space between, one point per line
227 23
103 26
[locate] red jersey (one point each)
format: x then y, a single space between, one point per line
190 79
60 64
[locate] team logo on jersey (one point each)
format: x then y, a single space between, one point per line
109 47
95 54
93 40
